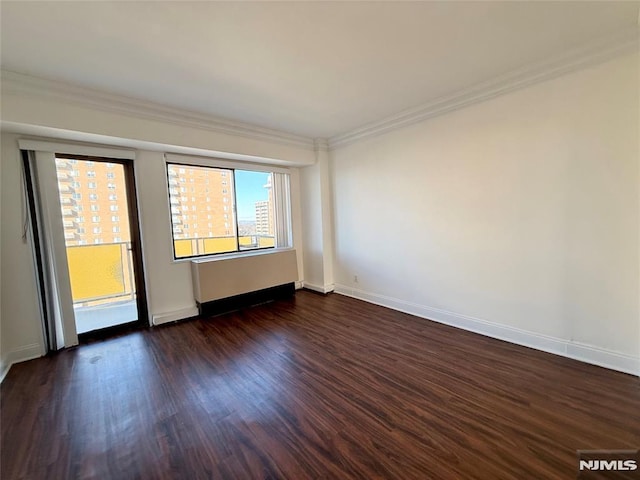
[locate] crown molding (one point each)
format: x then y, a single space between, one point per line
30 86
595 52
321 144
590 54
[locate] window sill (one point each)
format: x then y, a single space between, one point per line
227 256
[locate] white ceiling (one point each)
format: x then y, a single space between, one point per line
316 69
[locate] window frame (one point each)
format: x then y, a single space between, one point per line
180 162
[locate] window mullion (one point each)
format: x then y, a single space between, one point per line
235 210
194 188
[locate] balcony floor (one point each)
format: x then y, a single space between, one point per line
103 316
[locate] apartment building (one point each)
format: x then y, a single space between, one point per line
264 213
92 197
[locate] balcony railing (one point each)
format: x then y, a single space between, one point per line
67 201
101 273
64 177
189 247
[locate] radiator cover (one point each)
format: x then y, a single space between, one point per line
219 278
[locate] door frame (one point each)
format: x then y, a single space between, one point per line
136 243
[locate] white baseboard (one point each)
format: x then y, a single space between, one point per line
22 354
181 314
566 348
318 288
299 285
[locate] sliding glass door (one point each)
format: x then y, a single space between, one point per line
95 205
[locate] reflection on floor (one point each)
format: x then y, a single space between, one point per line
102 316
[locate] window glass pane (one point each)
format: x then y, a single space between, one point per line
75 188
254 203
197 237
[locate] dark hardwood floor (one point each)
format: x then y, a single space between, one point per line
312 387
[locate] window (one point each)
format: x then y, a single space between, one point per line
111 186
91 184
97 230
250 213
111 175
77 196
113 197
93 197
115 218
113 208
95 219
95 208
91 173
115 229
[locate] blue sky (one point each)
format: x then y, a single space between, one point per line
249 190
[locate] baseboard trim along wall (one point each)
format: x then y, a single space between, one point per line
584 353
181 314
22 354
321 289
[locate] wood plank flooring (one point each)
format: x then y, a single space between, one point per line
306 388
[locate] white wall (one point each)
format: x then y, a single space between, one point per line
318 229
516 217
168 285
20 327
27 101
168 282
